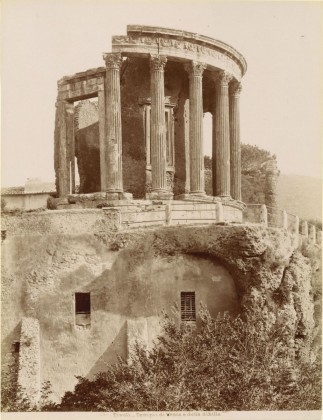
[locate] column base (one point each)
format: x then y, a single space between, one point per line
194 197
159 195
111 196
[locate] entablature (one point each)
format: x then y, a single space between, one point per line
180 46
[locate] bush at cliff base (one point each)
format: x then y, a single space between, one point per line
225 364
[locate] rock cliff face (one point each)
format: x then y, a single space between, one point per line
134 275
271 277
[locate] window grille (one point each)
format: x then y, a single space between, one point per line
188 312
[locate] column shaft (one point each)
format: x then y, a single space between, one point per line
70 146
101 104
61 152
235 151
197 184
221 178
158 129
113 134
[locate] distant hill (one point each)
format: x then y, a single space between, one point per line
301 195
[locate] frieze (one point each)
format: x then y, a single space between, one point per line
178 44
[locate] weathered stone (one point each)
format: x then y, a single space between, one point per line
29 361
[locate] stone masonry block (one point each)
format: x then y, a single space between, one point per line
29 360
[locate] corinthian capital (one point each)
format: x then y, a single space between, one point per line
195 68
223 78
235 88
157 62
112 60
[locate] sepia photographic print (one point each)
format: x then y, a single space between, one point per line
161 209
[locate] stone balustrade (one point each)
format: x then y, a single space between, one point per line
277 218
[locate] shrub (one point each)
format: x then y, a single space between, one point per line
226 364
51 203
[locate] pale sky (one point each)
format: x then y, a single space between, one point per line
281 101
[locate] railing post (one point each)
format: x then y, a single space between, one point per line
168 214
285 220
312 234
296 225
219 212
264 215
296 231
305 229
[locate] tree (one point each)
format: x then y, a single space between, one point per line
253 173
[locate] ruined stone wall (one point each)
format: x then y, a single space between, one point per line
133 276
135 84
29 360
85 114
42 274
65 222
87 149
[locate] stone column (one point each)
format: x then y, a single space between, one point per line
61 152
221 144
195 71
113 135
235 153
70 146
158 129
101 105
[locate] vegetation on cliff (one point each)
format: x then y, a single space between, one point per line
253 173
227 364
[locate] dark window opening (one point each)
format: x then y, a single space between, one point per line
16 346
82 309
188 311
